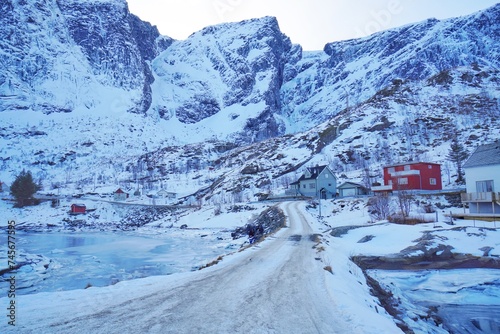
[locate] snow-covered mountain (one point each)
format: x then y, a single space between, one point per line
232 69
59 56
91 94
351 72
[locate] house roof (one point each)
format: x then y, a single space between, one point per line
412 163
78 205
163 191
119 191
484 155
314 171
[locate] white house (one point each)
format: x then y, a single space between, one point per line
167 196
482 178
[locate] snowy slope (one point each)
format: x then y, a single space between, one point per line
350 72
232 69
407 121
67 118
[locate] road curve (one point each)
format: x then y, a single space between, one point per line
277 286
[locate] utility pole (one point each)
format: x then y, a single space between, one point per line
319 205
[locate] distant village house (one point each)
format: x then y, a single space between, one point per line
348 189
77 209
166 194
411 176
120 195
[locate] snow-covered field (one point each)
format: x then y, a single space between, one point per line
344 281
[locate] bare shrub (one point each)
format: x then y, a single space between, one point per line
379 206
405 199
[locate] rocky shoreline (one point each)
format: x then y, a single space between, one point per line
435 262
440 258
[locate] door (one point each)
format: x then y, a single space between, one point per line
323 193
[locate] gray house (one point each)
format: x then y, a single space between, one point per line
352 189
318 182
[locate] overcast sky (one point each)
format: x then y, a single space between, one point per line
311 23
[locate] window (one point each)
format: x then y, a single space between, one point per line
432 181
403 180
304 186
312 186
391 170
407 167
429 166
326 175
484 186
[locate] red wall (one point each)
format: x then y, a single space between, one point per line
415 182
77 209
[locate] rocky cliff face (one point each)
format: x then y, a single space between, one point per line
116 44
237 68
60 55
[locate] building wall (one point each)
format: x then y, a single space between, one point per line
308 188
326 180
351 191
120 196
77 209
414 177
428 171
479 207
484 173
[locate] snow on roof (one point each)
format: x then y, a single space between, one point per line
314 173
412 163
484 155
349 184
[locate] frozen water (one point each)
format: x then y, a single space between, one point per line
66 261
466 300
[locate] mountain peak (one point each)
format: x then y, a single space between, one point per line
101 67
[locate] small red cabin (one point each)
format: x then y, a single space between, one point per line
412 176
78 208
120 195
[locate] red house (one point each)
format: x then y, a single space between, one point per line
78 209
411 176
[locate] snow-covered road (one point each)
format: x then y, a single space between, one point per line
277 286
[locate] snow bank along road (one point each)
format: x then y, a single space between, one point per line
276 286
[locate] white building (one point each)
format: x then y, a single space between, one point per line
482 178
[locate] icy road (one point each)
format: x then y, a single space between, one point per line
277 286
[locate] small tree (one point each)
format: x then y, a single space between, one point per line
23 188
457 155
